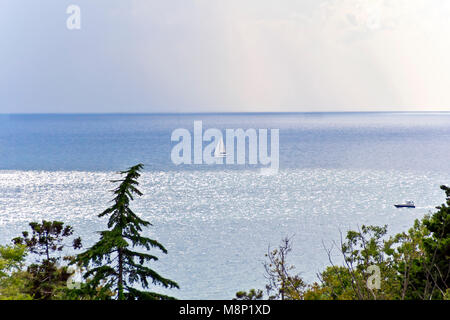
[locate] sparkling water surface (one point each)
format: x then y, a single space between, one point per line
337 171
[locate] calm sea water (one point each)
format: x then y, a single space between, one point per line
337 171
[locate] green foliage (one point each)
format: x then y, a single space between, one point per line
425 268
437 248
361 250
46 279
447 294
11 258
251 295
47 238
114 266
336 284
282 284
406 250
12 282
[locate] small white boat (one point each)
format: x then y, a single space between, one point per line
220 151
407 204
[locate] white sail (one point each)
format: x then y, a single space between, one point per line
220 151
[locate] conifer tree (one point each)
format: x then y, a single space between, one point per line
116 267
46 277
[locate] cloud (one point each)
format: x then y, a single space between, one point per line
253 55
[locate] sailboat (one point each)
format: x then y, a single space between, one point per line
220 151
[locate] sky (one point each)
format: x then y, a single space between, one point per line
225 56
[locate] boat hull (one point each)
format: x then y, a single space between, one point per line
403 206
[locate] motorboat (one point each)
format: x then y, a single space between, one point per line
407 204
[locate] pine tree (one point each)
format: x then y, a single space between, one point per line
46 278
115 266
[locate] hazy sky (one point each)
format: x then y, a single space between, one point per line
225 55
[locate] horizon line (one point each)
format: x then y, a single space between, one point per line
212 113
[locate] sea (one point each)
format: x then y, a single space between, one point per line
337 172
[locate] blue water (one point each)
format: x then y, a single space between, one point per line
309 140
337 171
